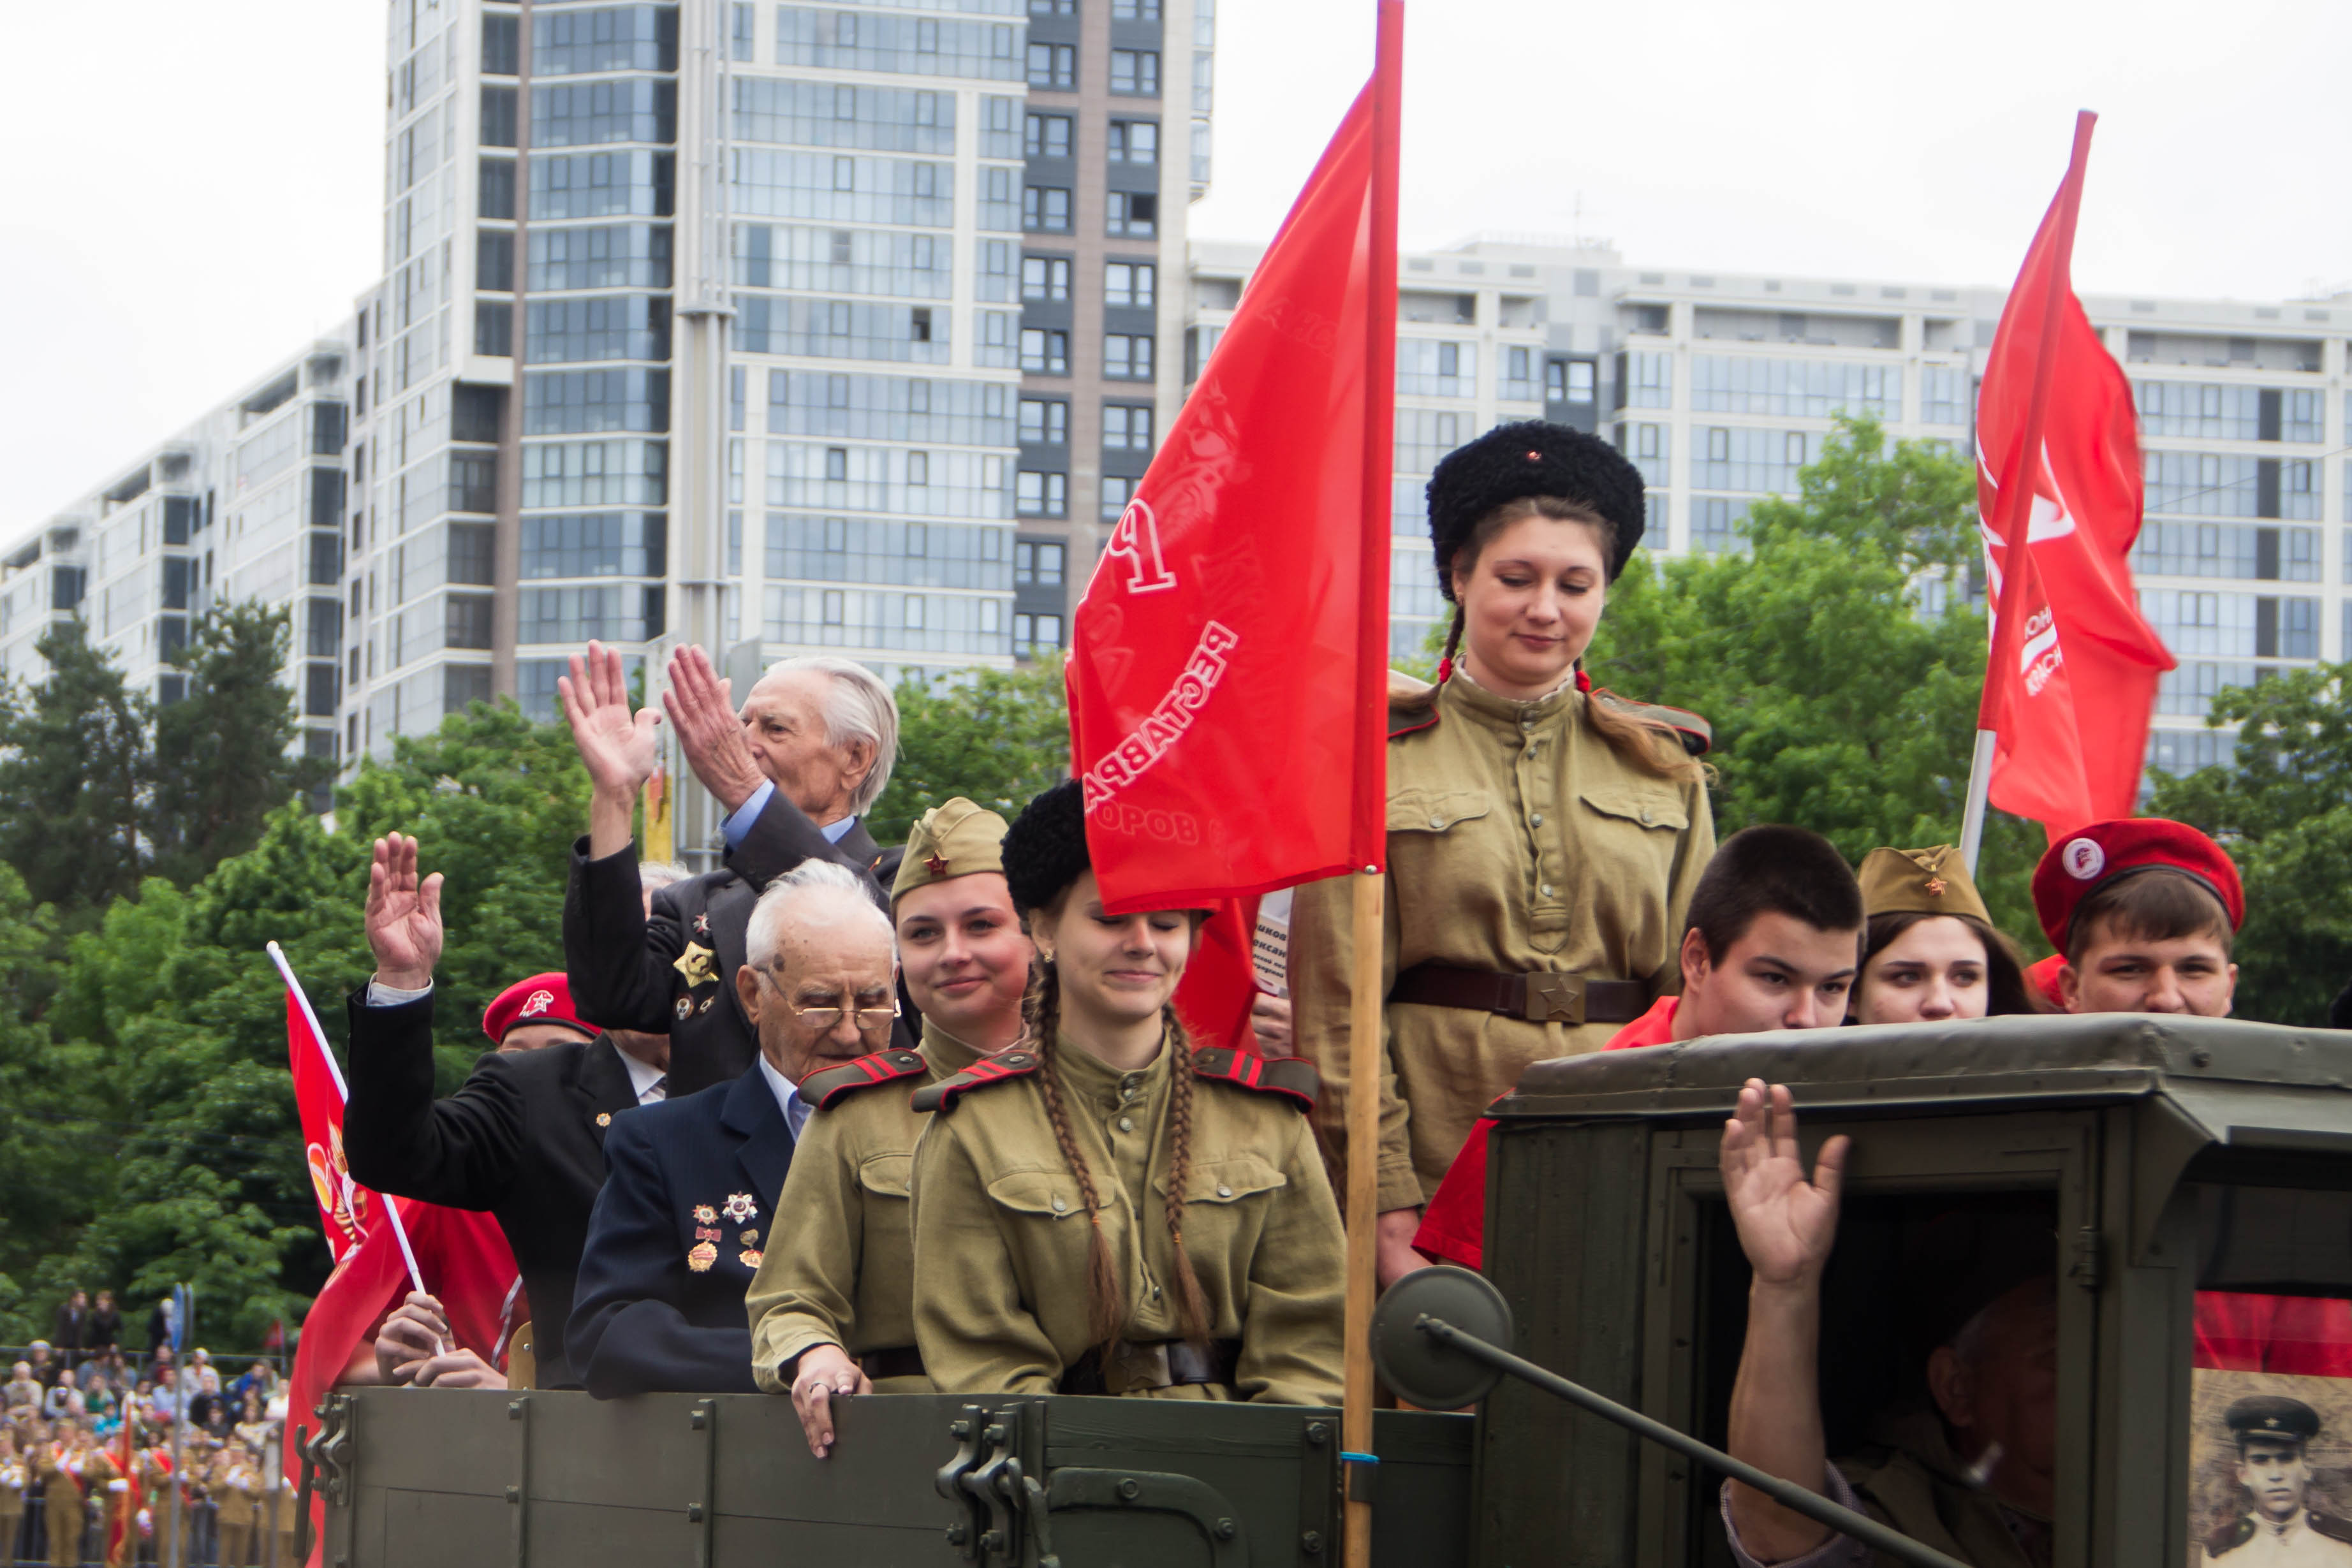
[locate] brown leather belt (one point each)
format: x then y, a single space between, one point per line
1544 997
898 1361
1161 1366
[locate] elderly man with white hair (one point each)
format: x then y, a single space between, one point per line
795 771
691 1184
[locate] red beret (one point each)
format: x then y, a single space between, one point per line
543 999
2088 859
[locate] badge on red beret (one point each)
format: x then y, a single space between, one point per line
542 998
2086 861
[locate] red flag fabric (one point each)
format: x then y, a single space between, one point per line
1219 982
2072 674
346 1209
473 1274
1228 659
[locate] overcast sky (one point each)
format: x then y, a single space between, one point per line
198 188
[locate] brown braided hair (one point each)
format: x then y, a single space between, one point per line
1041 1014
1191 1305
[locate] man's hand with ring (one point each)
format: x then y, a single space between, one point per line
825 1373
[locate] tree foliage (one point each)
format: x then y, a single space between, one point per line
1837 656
173 1150
221 763
74 765
2284 814
996 736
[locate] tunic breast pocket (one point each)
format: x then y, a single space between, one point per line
1225 1207
886 1175
1436 811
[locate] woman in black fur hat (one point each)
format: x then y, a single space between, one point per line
1102 1208
1543 838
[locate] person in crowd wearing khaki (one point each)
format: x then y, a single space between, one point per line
73 1469
1543 838
13 1480
1102 1208
233 1483
1930 951
833 1314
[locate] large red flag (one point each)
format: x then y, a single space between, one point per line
1229 657
2072 674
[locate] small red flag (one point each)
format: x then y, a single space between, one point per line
475 1277
1230 655
2071 677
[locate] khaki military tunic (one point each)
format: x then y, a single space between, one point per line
1519 839
65 1512
15 1475
1001 1233
848 1276
232 1484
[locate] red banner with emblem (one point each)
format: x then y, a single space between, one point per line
1229 659
2072 674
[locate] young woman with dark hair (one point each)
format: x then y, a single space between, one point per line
1104 1209
1930 951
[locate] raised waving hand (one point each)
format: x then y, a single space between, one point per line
1787 1225
403 916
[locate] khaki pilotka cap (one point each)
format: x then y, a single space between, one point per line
953 839
1923 881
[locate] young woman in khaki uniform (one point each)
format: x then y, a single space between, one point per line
1103 1209
832 1310
1543 838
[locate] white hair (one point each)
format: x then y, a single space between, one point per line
857 706
655 875
787 893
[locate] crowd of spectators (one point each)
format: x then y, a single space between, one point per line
92 1431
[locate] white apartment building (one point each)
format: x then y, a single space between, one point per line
1721 387
244 504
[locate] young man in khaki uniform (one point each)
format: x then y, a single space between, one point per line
833 1312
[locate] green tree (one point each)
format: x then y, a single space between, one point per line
221 762
74 765
995 737
1837 656
2283 810
192 1167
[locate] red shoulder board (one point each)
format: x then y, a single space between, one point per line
824 1090
1696 735
1293 1077
1015 1061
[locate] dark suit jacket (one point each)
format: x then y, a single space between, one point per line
702 1172
624 967
520 1138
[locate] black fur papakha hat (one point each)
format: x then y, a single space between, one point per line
1046 847
1512 462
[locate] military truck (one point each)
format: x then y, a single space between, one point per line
2169 1156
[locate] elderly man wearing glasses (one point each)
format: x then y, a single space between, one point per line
691 1184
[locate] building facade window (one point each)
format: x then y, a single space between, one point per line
1046 136
1046 209
1134 214
1135 72
1045 421
1134 141
1054 66
1126 427
1044 352
1126 356
1041 494
1129 284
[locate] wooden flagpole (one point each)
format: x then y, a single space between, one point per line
1360 1464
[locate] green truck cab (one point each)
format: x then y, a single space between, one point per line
2170 1156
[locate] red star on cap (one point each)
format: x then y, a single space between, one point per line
936 864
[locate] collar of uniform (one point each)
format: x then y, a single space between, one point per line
945 1054
1090 1078
1511 714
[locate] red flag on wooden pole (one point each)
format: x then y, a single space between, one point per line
1229 662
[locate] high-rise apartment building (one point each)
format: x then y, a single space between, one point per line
772 327
245 504
1721 387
